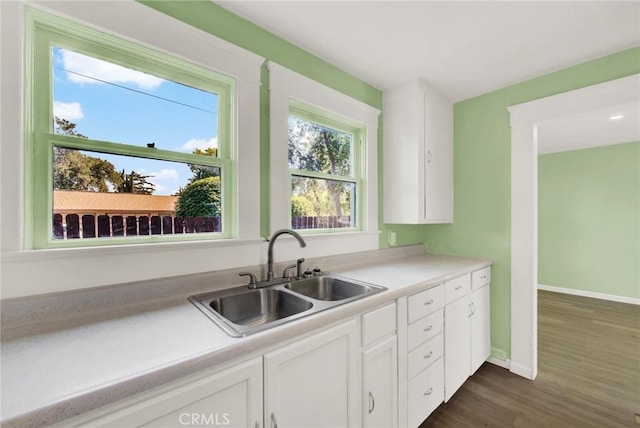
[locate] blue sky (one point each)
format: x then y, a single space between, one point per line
113 103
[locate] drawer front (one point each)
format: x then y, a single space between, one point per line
425 355
456 288
378 323
426 392
424 329
480 277
425 302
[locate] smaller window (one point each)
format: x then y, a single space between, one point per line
324 156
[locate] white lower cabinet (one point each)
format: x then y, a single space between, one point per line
466 329
457 345
314 382
380 385
231 398
380 368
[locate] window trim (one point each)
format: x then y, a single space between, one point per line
288 88
43 31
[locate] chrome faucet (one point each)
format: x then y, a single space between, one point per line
270 251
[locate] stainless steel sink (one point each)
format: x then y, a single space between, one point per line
329 288
240 311
259 306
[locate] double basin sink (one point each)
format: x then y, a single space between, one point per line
241 311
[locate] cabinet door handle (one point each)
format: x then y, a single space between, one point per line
428 302
429 156
428 328
372 403
428 355
459 287
257 425
274 423
428 392
469 313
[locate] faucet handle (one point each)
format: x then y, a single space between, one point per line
285 273
253 282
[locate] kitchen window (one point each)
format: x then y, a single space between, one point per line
125 144
325 164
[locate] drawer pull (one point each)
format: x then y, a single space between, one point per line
428 328
428 392
429 302
459 287
428 355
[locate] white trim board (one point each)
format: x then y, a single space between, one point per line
505 364
524 120
592 294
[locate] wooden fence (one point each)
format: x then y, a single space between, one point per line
76 226
328 222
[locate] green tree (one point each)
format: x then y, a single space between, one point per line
135 183
313 147
200 198
204 171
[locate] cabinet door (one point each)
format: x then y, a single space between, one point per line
380 385
315 382
457 345
480 328
231 398
438 158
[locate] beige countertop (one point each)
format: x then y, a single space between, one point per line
49 377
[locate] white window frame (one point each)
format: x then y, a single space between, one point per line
26 272
286 86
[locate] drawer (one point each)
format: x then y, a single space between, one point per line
424 329
378 323
425 302
425 355
480 277
456 288
426 393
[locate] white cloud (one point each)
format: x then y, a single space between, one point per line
165 174
69 111
102 70
199 143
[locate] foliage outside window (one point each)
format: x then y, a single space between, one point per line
324 157
127 142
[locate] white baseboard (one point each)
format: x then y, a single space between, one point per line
505 364
520 370
583 293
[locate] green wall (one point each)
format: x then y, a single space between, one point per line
216 20
482 170
589 219
481 144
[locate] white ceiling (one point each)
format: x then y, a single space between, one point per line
465 48
462 48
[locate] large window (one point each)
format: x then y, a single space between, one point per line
125 144
325 164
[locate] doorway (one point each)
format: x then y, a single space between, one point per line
525 121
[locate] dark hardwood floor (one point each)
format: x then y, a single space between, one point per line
588 373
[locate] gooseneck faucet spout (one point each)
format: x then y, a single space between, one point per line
270 251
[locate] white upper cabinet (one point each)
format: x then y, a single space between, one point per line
418 155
